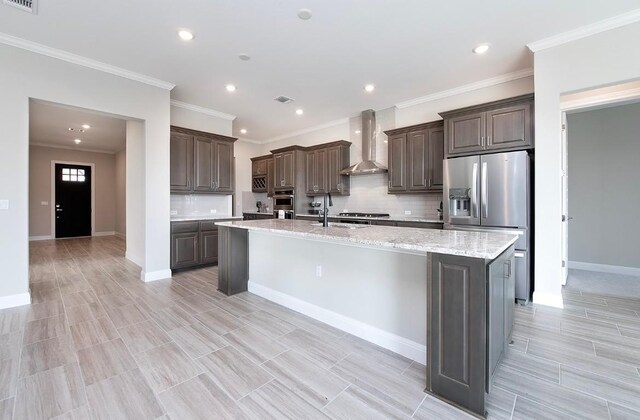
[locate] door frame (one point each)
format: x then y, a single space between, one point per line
630 92
53 194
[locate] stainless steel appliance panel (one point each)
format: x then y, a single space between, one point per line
462 173
522 272
503 189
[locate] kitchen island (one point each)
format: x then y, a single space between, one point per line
443 298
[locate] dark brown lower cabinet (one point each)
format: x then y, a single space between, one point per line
209 247
233 274
194 243
184 250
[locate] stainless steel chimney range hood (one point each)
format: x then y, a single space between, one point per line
368 164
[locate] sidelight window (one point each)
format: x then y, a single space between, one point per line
73 175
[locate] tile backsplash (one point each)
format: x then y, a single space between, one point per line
200 204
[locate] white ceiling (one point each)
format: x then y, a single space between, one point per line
408 48
49 125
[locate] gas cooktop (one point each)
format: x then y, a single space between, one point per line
363 214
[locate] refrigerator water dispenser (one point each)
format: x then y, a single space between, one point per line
460 202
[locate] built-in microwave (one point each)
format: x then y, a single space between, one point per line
283 200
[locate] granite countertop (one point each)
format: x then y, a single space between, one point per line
453 242
193 217
416 219
261 212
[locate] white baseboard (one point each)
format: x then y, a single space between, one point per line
133 258
108 233
548 299
405 347
604 268
40 238
155 275
121 235
12 301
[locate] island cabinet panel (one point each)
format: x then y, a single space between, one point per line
457 352
201 162
181 167
233 272
397 163
487 128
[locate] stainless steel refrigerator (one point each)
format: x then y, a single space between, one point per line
493 193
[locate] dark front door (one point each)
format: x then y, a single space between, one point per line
73 200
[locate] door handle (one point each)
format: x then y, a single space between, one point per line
485 193
519 254
474 197
58 209
507 269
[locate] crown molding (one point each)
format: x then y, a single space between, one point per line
307 130
82 61
75 149
249 140
584 31
504 78
202 110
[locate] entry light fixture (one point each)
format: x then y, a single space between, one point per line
369 87
230 87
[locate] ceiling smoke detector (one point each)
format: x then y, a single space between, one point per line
283 99
30 6
305 14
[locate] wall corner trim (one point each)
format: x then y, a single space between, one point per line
613 22
395 343
148 276
82 61
203 110
12 301
504 78
548 299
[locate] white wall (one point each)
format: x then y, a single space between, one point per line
603 59
25 75
187 118
135 177
603 152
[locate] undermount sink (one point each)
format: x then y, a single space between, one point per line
344 225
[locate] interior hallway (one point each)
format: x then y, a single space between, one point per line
98 343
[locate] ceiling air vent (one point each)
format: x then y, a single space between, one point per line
30 6
283 99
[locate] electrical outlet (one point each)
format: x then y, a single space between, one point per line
318 271
213 211
407 212
174 212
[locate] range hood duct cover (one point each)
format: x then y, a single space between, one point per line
368 164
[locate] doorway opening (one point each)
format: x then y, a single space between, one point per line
73 195
600 190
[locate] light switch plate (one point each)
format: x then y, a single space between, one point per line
213 211
174 212
407 212
4 204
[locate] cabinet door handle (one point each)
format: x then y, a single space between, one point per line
507 269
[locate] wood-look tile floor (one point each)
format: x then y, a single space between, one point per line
98 343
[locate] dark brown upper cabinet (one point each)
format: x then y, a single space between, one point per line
181 169
285 168
261 172
500 125
415 158
201 162
323 165
270 176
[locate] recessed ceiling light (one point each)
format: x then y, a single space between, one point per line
299 111
185 35
78 141
86 126
357 131
71 128
243 130
481 49
305 14
81 130
244 57
230 88
370 87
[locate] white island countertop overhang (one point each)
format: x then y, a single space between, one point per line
485 245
